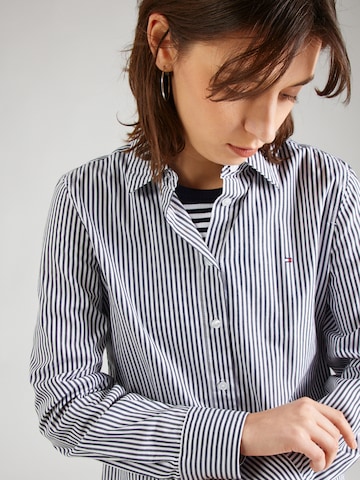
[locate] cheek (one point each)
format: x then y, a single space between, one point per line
283 112
190 91
195 112
204 121
198 114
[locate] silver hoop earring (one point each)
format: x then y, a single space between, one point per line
165 85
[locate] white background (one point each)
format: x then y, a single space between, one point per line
61 92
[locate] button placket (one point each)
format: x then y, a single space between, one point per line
224 211
216 324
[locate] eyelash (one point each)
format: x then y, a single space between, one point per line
291 98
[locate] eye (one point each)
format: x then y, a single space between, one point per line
291 98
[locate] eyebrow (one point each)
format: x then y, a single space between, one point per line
303 82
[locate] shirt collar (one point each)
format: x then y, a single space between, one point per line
260 165
139 172
268 170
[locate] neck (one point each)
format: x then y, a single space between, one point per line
194 173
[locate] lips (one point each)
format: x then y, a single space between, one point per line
243 152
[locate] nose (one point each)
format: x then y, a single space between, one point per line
260 118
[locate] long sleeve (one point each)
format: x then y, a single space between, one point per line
82 410
341 326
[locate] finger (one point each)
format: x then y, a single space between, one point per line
315 454
328 443
325 424
338 419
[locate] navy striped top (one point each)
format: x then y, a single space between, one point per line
198 204
197 333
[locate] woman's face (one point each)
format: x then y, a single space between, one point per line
228 132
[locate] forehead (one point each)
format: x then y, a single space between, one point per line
304 63
246 46
240 59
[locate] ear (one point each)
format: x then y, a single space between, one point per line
159 39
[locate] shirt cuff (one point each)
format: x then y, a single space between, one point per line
211 444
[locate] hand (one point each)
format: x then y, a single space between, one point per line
303 426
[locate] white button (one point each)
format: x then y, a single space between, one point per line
222 386
226 202
216 323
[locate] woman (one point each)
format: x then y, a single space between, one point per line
216 260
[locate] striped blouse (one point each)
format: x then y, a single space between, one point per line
198 332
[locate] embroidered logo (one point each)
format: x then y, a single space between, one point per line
288 260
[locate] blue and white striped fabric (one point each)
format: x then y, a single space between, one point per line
198 333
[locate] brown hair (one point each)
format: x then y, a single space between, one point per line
280 28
